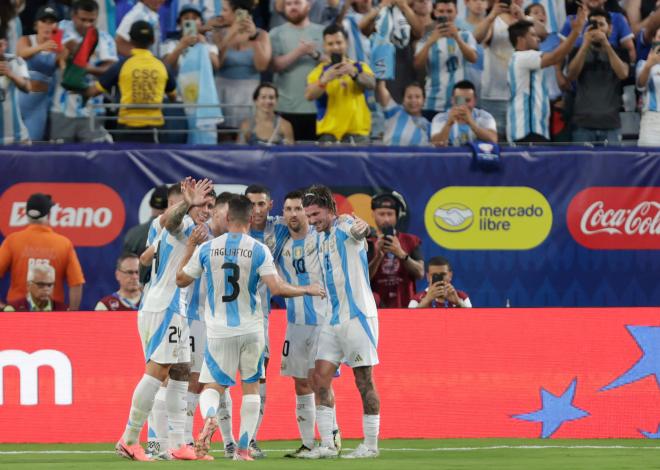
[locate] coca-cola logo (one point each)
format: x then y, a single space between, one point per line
89 214
616 218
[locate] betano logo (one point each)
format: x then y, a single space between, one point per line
488 218
89 214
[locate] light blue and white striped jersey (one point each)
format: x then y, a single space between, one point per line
346 273
233 265
529 107
300 265
273 236
445 67
555 11
141 12
163 294
72 104
154 230
461 134
359 46
12 127
651 92
403 129
193 298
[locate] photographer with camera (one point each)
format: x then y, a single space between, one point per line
14 76
444 54
440 293
598 69
648 82
464 122
338 88
395 258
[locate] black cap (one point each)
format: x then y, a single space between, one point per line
385 201
141 32
46 12
159 198
38 205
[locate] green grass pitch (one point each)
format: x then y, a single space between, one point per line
396 454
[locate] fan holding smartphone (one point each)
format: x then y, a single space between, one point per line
440 293
648 80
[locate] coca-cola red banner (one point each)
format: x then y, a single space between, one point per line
560 373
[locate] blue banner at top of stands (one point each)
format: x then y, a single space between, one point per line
555 226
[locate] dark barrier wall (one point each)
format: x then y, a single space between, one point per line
554 227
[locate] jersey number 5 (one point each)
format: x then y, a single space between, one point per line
233 280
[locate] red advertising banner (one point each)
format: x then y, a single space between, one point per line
565 373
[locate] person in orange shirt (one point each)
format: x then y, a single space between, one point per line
39 244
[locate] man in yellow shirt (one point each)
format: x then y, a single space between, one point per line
142 79
338 87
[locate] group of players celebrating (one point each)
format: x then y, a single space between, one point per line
215 263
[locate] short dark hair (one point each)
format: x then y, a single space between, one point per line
257 189
519 29
261 86
528 8
445 1
321 196
415 84
297 194
223 198
334 28
85 5
464 85
601 12
174 190
240 208
241 4
440 261
125 256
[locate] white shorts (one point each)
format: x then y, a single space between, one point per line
197 344
299 350
224 357
353 342
164 337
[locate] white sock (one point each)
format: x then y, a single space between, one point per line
249 418
324 423
370 428
141 404
306 417
225 418
157 424
209 402
335 426
191 400
176 411
262 394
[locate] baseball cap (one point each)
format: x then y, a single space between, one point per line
159 198
141 32
38 205
46 12
384 201
189 7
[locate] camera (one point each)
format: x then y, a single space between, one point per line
388 231
336 58
655 46
241 14
442 20
190 28
506 2
437 277
593 24
461 100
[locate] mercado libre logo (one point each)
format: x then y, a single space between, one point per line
89 214
488 218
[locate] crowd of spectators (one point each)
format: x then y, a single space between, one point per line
401 72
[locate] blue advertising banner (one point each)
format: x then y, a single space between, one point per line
552 227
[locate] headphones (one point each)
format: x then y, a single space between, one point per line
400 206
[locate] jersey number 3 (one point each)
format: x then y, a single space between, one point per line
233 274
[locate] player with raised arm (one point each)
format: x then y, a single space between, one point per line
233 264
163 331
351 335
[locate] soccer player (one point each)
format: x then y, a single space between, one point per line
299 263
163 332
351 335
233 264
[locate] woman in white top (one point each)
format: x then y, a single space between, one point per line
648 82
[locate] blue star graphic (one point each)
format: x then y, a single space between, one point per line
555 410
648 340
651 434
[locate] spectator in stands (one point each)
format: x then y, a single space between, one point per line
174 49
143 10
129 294
441 293
245 52
135 240
142 79
639 13
42 52
358 45
648 82
423 10
13 77
40 283
321 12
646 34
464 122
10 23
395 258
598 69
443 54
266 127
476 11
528 113
404 123
69 114
555 12
297 48
338 86
39 244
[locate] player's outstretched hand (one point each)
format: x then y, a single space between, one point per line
198 235
360 226
317 290
196 191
